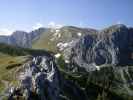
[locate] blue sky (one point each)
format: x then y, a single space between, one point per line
27 14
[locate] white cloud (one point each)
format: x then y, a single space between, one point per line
37 25
5 31
52 24
118 22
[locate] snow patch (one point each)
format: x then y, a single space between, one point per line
65 45
79 34
61 45
57 55
97 67
56 34
67 61
57 30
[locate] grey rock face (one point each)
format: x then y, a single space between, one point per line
110 46
18 38
40 79
42 76
21 38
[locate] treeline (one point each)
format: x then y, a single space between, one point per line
18 51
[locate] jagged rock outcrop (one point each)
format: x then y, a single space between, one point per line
40 79
109 46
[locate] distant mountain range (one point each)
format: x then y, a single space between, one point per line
65 38
43 36
21 38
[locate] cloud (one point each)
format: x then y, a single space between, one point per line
118 22
5 31
52 24
37 25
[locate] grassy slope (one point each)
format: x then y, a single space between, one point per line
8 66
111 82
18 51
44 42
11 58
67 34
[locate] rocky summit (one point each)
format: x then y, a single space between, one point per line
109 46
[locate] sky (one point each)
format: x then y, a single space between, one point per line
31 14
